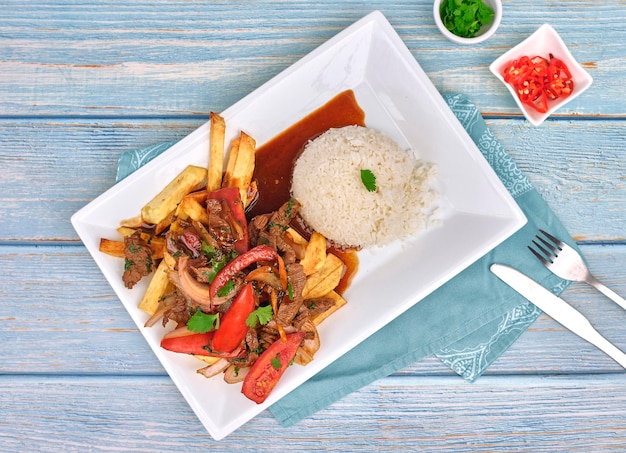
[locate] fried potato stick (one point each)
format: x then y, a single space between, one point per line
216 152
159 208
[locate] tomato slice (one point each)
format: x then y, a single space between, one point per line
258 253
231 196
269 367
188 344
233 328
197 344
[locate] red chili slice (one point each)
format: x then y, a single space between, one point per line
258 253
233 328
538 81
230 195
269 367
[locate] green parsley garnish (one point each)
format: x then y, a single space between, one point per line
465 17
369 180
261 315
276 362
226 289
207 249
202 322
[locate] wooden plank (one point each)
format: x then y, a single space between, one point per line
526 414
186 58
60 316
51 168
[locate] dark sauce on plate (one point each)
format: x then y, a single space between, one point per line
275 160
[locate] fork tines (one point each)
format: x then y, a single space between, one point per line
554 248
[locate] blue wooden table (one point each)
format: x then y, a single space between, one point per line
81 82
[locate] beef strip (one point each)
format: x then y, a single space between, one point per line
289 308
180 312
319 305
138 260
219 227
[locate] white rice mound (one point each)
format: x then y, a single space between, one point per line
335 202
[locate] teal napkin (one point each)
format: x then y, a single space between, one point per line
467 323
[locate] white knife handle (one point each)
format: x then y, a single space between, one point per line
594 337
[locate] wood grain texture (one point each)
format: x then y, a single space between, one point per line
82 81
405 413
186 57
51 169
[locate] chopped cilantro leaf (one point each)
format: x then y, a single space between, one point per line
128 264
289 290
226 289
202 322
276 362
261 315
465 17
369 180
207 249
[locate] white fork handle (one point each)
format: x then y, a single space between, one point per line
606 291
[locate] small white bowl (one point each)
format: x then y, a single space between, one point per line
485 31
543 42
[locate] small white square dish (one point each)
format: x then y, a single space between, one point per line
397 97
543 42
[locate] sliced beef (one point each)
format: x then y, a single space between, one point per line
319 305
138 260
289 308
180 312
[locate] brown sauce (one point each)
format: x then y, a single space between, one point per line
275 160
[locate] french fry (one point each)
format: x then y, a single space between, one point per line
338 303
216 152
190 179
190 208
158 287
315 254
239 174
325 280
133 222
232 161
113 248
116 248
297 242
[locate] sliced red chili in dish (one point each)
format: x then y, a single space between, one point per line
537 81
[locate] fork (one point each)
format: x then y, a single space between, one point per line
567 263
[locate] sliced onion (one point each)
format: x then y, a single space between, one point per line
265 274
179 332
234 374
214 369
198 292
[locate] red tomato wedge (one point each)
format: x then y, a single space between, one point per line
269 367
233 328
230 195
197 344
194 343
258 253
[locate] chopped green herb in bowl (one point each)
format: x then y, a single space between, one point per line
467 21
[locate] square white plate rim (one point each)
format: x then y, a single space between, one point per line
224 410
542 42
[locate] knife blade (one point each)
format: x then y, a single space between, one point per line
558 309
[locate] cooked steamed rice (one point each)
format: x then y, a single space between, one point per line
335 202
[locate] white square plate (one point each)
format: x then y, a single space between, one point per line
543 42
399 99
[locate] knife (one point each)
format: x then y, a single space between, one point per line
558 309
